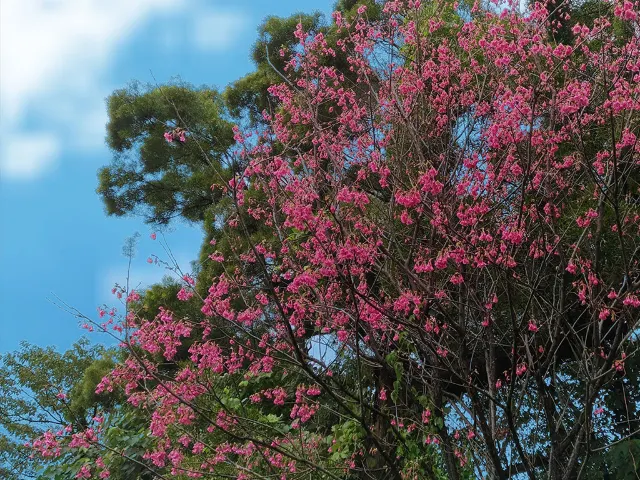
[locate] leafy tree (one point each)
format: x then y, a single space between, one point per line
427 266
248 96
44 392
34 383
162 180
170 143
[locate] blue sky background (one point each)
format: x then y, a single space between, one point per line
59 60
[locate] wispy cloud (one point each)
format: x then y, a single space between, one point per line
27 155
217 30
54 57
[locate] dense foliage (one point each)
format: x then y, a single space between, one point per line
421 261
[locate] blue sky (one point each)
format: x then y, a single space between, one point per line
59 60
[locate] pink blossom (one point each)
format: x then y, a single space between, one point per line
426 415
84 472
382 395
184 295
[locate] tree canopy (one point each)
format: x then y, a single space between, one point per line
421 256
164 177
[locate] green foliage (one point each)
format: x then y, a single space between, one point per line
30 381
624 460
248 96
620 462
124 443
156 178
162 181
83 397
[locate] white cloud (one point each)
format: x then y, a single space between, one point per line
215 31
28 155
52 53
53 58
44 42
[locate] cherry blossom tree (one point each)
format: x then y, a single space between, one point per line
430 265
